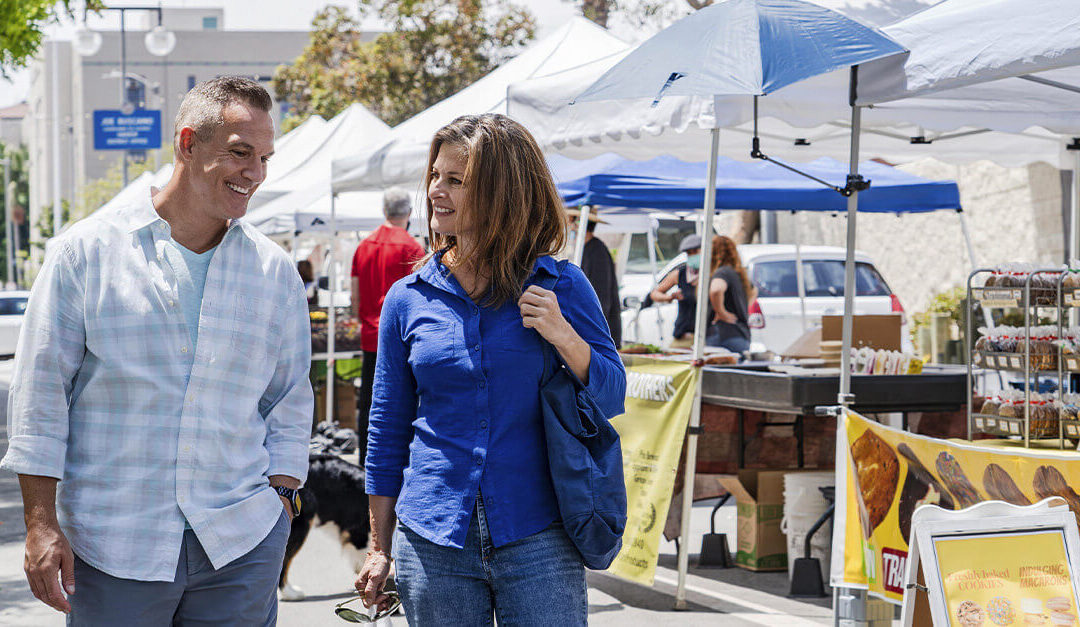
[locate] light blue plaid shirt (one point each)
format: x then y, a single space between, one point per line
143 429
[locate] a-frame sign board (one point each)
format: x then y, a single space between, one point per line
993 564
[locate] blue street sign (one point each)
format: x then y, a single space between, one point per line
116 130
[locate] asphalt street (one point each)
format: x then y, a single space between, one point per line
716 597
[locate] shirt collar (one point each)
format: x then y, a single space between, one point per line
141 214
438 275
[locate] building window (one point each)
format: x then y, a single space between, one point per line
210 23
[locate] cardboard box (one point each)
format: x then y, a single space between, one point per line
344 404
759 496
880 331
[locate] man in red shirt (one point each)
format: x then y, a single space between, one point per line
385 256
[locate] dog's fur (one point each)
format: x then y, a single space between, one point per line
333 495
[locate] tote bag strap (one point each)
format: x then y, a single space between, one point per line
551 362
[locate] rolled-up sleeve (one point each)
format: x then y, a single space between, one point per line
288 403
393 402
50 351
581 308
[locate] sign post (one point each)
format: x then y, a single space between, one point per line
116 130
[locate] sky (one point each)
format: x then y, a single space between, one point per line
271 15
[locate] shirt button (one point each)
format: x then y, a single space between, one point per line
483 424
183 349
476 348
187 449
172 303
479 462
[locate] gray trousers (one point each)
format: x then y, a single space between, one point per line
243 592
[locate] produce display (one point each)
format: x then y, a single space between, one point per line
346 337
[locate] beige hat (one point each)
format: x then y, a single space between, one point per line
576 213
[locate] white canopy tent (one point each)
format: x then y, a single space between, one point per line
402 157
296 138
353 127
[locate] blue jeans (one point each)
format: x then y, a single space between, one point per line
242 592
538 580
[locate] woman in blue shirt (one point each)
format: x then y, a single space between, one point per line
456 449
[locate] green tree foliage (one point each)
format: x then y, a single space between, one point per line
432 50
100 191
22 24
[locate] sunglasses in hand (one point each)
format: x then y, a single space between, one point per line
353 616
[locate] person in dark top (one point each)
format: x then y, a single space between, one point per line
685 280
730 291
598 267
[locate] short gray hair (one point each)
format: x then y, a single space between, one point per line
203 106
396 203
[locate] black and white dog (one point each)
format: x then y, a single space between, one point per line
333 495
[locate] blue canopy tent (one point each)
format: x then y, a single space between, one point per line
667 183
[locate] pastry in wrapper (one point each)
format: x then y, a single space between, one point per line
1001 487
956 481
1049 482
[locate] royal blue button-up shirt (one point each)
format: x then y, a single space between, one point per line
456 404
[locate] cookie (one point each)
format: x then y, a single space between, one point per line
1049 482
956 481
878 472
1000 611
969 614
1000 486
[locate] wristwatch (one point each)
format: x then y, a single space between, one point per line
292 496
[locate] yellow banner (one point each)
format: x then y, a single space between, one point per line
659 395
890 472
1007 579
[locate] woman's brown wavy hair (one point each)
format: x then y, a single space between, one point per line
726 253
511 204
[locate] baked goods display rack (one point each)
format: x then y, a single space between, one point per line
1041 295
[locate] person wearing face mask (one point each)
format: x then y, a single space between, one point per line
457 455
684 280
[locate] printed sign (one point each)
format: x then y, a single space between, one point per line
116 130
888 473
1004 579
659 395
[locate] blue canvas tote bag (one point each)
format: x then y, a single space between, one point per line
585 459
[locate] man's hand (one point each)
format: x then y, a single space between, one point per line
48 553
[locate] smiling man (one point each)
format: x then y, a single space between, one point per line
160 408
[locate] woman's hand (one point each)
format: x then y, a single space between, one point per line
372 578
540 311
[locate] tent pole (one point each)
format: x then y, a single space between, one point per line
650 241
799 272
700 325
845 397
331 317
1074 210
579 243
857 607
987 318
